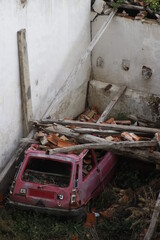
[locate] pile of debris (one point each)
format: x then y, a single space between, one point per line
123 137
92 131
134 9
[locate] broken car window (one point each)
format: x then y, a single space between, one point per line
45 171
88 163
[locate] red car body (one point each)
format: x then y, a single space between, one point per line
62 183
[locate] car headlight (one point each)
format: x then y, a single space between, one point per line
12 187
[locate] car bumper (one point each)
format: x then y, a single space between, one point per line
55 211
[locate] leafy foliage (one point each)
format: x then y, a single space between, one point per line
154 5
117 3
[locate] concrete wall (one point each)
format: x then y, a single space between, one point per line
136 103
127 44
58 32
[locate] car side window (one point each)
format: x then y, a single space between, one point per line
89 162
99 155
77 176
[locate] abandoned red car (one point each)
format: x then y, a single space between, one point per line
62 183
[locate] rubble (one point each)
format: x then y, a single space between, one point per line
93 16
137 9
130 136
99 6
118 136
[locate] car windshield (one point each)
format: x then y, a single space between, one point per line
47 172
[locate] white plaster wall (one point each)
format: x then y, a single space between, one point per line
58 32
132 40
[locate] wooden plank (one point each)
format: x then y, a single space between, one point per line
107 132
134 153
132 7
138 154
83 138
25 81
129 6
82 60
96 131
112 103
61 130
29 140
154 220
109 146
120 128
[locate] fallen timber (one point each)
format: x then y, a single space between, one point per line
154 220
102 132
109 107
135 150
119 148
82 138
106 145
70 133
101 126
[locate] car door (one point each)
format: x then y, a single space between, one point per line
90 176
106 166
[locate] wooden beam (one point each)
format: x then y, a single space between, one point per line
96 131
112 103
25 80
140 154
61 130
154 220
101 126
132 152
104 132
129 6
83 138
106 145
29 140
132 7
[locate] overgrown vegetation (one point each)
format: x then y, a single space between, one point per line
125 206
129 201
152 4
117 3
18 225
